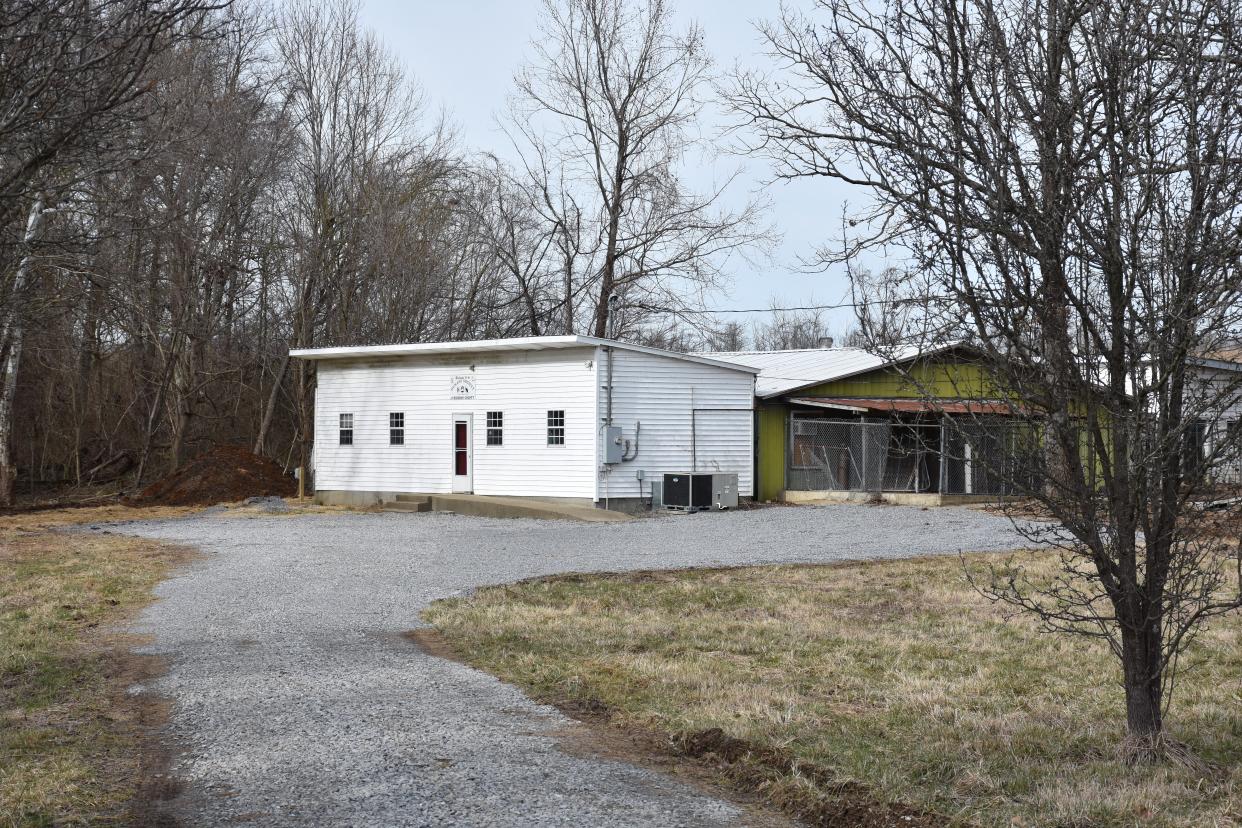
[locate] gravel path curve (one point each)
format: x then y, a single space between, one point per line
298 703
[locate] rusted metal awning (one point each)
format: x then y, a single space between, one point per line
867 405
815 402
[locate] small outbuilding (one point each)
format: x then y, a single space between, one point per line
576 418
1215 389
918 426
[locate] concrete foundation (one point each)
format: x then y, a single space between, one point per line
628 505
355 499
637 505
480 505
895 498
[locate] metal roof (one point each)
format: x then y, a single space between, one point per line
783 371
520 343
1230 361
898 405
825 402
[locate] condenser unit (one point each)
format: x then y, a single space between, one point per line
695 491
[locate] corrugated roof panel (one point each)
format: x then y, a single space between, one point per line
783 371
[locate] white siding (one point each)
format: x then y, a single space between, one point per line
523 385
1218 395
693 416
719 443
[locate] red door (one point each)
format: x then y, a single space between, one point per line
463 477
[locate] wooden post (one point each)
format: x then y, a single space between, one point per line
301 482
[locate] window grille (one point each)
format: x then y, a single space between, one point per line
556 428
396 428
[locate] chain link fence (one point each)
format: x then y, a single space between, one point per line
1218 446
988 458
837 454
950 456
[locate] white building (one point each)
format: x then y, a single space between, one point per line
1215 435
525 417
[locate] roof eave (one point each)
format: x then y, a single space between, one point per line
1217 364
540 343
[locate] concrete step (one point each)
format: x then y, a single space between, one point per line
413 498
407 506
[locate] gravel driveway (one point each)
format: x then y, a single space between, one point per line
297 701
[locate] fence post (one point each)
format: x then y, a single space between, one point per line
944 454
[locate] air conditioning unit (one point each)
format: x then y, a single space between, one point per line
695 491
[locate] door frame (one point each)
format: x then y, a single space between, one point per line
462 483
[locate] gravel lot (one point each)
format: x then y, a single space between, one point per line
298 702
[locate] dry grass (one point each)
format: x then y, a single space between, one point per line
894 676
70 738
12 525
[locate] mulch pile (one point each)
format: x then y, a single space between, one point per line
222 475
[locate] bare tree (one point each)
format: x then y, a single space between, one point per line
1067 177
791 330
890 306
523 244
603 116
356 117
220 133
731 336
195 187
69 85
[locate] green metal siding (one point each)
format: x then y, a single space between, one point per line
946 379
772 425
942 379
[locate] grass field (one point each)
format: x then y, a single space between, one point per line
875 694
71 739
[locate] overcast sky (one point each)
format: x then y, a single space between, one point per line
464 54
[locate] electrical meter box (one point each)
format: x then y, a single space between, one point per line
614 445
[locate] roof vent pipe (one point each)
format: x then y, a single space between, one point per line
825 342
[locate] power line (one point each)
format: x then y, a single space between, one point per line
894 302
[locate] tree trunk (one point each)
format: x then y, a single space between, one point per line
153 415
569 292
11 352
603 306
1144 696
306 419
82 381
269 410
183 405
10 356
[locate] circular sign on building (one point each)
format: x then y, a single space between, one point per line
462 388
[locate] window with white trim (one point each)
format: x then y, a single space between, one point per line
347 429
495 428
556 428
396 428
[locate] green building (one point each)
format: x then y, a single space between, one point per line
844 423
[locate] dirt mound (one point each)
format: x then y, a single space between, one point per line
222 475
